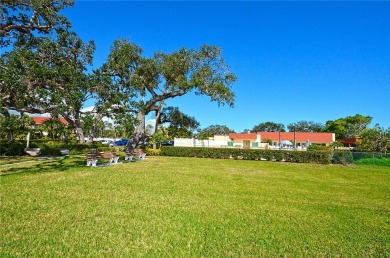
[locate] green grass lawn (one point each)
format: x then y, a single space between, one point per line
179 207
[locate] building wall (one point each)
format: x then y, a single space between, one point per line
192 142
218 141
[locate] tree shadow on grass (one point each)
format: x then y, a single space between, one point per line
41 166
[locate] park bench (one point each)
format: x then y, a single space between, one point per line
135 152
64 151
113 158
93 157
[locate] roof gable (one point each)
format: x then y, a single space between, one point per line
40 120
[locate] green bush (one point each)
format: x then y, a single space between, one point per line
342 157
49 148
315 147
12 148
378 161
321 157
152 152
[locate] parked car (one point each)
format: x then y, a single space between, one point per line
168 143
105 141
122 142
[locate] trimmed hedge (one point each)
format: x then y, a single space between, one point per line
12 148
152 152
319 157
385 162
49 148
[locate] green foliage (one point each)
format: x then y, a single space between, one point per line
377 161
21 19
17 126
180 124
48 148
124 124
305 126
349 126
145 83
12 148
152 152
334 145
160 137
212 130
48 76
269 127
320 157
54 128
342 157
374 139
316 147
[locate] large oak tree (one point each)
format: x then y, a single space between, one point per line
22 20
144 84
48 76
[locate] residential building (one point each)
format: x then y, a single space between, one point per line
38 121
260 140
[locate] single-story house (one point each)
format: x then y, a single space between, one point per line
260 140
302 139
244 140
38 121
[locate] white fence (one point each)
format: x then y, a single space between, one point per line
192 142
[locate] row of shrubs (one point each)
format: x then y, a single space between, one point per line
319 157
47 148
51 148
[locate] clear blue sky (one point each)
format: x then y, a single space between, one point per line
294 60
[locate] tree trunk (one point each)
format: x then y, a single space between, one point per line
10 135
158 115
138 132
94 128
79 133
77 127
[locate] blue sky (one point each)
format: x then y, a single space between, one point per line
294 61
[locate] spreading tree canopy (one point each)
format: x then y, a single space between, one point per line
48 76
19 19
212 130
305 126
144 84
180 124
269 127
349 126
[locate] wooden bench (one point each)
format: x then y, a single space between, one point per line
113 158
94 157
135 152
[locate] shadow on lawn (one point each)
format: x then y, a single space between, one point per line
48 165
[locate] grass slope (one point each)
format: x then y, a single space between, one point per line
167 206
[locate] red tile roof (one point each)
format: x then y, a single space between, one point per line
243 136
40 120
352 140
299 136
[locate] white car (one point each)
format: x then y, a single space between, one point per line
105 141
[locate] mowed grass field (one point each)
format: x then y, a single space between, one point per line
180 207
